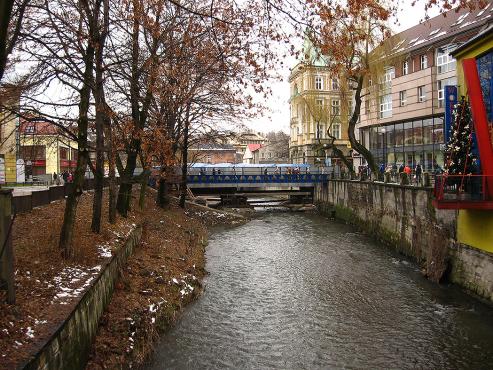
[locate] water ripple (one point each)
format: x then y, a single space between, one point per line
294 291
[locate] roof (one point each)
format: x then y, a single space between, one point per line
38 128
254 147
484 33
213 146
441 27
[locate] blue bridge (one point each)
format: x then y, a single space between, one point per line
278 181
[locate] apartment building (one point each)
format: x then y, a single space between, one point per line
402 117
317 110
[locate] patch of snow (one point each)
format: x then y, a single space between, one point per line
5 331
104 251
438 35
467 24
67 282
40 322
30 332
175 281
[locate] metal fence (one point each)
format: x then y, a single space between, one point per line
37 198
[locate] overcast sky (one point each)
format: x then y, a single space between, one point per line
278 117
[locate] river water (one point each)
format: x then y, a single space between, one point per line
298 291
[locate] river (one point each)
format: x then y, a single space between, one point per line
299 291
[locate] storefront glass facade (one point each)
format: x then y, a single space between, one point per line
411 142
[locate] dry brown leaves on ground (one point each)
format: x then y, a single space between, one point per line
162 276
48 287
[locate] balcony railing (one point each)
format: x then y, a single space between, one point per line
462 192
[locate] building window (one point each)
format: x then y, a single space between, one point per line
335 84
402 98
423 61
388 76
421 94
336 130
440 87
318 83
386 106
367 106
445 62
63 153
336 107
405 68
319 103
295 89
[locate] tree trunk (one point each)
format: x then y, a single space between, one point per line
184 158
352 127
143 189
123 203
66 234
112 179
101 117
5 14
162 192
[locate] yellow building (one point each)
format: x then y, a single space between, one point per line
8 147
318 110
475 227
45 150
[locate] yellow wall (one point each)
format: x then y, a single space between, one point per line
474 227
8 145
52 146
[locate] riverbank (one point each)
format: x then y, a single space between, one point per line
162 276
48 287
404 218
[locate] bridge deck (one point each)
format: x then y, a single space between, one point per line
257 181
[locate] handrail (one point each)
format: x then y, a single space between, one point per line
456 187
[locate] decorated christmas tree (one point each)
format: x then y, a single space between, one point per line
458 152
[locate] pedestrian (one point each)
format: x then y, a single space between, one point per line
65 176
401 168
394 172
218 172
214 172
70 177
265 171
407 171
55 176
419 172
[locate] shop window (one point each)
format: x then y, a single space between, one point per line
427 131
399 134
417 133
408 134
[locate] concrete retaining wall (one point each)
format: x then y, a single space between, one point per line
69 346
404 218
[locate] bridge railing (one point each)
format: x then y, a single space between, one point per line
258 179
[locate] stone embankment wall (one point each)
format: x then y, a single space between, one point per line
404 218
69 346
